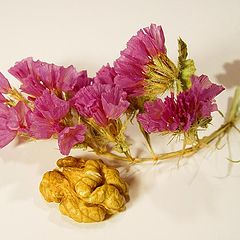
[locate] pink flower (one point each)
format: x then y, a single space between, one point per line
105 75
27 72
189 109
102 102
63 79
23 112
70 136
12 121
8 124
45 119
133 63
37 76
4 84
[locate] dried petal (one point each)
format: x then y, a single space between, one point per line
4 84
37 76
132 64
191 108
45 119
101 102
9 124
70 136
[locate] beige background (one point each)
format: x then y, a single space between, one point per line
200 199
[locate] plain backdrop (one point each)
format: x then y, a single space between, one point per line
198 199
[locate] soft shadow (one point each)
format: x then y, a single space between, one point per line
231 76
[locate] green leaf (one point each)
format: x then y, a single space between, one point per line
186 67
182 50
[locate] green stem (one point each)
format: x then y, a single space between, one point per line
220 132
148 140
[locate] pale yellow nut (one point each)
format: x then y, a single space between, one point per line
80 212
87 190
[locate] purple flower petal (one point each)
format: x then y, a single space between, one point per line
37 76
26 67
187 110
105 75
23 112
51 107
32 86
141 49
46 117
101 102
114 102
4 84
70 136
8 124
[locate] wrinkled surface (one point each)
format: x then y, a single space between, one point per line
86 190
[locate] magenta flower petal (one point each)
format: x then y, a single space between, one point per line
8 124
32 86
189 109
23 112
63 79
141 49
27 72
6 136
88 103
46 117
26 67
82 80
70 136
101 102
105 75
150 120
114 102
42 128
51 107
49 75
4 84
37 76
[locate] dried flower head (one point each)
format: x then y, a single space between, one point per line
105 75
46 117
37 76
86 190
191 108
102 102
13 120
143 66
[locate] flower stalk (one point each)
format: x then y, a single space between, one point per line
231 121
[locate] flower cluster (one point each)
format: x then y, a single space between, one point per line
50 95
103 100
189 109
60 102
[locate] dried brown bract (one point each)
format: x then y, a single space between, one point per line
86 190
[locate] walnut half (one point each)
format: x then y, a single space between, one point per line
86 190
